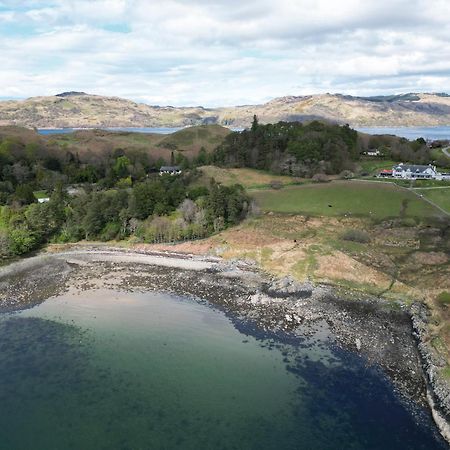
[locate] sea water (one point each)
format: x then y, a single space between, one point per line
105 369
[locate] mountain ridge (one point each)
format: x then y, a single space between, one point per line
83 110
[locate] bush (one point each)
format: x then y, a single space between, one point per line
319 178
110 231
356 236
276 184
21 241
408 222
5 250
346 175
443 299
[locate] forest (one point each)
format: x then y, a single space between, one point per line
308 149
117 196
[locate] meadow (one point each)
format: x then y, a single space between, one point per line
346 198
249 178
440 196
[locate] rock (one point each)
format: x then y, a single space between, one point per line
289 287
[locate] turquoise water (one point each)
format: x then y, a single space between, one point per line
112 370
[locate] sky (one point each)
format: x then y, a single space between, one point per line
223 52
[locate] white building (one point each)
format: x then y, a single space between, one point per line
170 170
414 172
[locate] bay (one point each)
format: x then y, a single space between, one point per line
106 369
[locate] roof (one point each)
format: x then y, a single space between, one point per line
169 168
412 168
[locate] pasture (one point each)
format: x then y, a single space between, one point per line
346 198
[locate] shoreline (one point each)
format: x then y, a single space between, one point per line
392 337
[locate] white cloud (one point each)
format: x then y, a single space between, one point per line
223 52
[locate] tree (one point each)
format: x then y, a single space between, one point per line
120 168
254 123
24 194
188 209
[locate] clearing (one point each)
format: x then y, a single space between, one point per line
249 178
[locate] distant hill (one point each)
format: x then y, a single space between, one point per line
78 109
98 144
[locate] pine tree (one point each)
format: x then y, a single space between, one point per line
255 123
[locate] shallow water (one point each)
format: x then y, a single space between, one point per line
114 370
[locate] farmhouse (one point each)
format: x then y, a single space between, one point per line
385 173
170 170
414 171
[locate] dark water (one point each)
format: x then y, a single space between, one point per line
431 133
110 370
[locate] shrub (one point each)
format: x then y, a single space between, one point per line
319 178
110 231
276 184
21 241
346 175
408 222
443 299
4 245
356 236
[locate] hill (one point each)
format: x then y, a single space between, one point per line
92 145
78 109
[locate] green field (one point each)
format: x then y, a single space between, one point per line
440 196
349 198
374 165
249 178
40 194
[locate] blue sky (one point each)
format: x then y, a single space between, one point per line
211 53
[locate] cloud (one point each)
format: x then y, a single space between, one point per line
185 52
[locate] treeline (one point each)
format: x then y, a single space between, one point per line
34 166
305 150
291 148
162 209
403 150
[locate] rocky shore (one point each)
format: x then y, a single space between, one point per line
388 335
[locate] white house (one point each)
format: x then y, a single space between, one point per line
170 170
373 152
414 171
43 200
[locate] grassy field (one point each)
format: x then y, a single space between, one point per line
346 198
374 165
249 178
40 194
440 196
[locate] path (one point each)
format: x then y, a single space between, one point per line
428 201
413 190
446 151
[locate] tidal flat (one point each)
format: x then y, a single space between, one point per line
108 349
